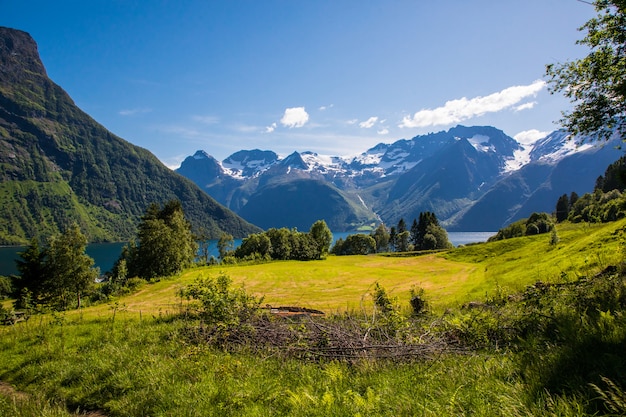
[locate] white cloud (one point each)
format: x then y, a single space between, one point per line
383 131
295 117
352 121
132 112
330 106
369 122
525 106
458 110
528 137
270 128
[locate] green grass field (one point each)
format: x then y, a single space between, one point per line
343 283
128 358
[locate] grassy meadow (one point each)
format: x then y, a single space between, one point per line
133 357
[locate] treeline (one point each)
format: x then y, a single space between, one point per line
279 244
605 204
425 234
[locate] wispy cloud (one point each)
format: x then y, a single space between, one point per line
330 106
458 110
383 131
295 117
133 112
369 122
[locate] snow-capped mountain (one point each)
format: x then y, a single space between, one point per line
447 172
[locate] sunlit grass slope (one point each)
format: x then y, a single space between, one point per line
461 275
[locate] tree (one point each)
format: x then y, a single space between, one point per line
562 208
596 84
69 270
165 243
257 244
402 241
323 236
381 236
31 268
357 244
225 245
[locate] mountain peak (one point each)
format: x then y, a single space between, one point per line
19 57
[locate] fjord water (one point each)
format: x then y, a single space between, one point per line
105 254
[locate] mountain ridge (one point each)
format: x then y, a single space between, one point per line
60 166
447 172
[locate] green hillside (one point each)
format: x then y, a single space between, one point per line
58 165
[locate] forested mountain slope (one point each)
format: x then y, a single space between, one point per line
61 166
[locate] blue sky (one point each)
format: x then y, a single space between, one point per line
334 77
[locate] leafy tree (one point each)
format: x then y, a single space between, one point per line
322 235
225 245
596 84
257 244
281 246
69 270
165 243
357 244
402 241
381 236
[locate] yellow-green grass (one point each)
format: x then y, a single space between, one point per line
343 283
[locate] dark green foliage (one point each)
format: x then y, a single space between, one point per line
427 234
596 83
6 287
537 223
598 207
284 244
217 303
322 235
382 237
60 167
562 208
165 244
357 244
225 245
615 176
53 274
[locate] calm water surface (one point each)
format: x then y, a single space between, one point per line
105 254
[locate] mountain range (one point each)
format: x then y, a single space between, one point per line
60 166
473 178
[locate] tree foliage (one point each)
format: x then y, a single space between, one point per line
596 84
537 223
285 244
52 275
165 243
357 244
